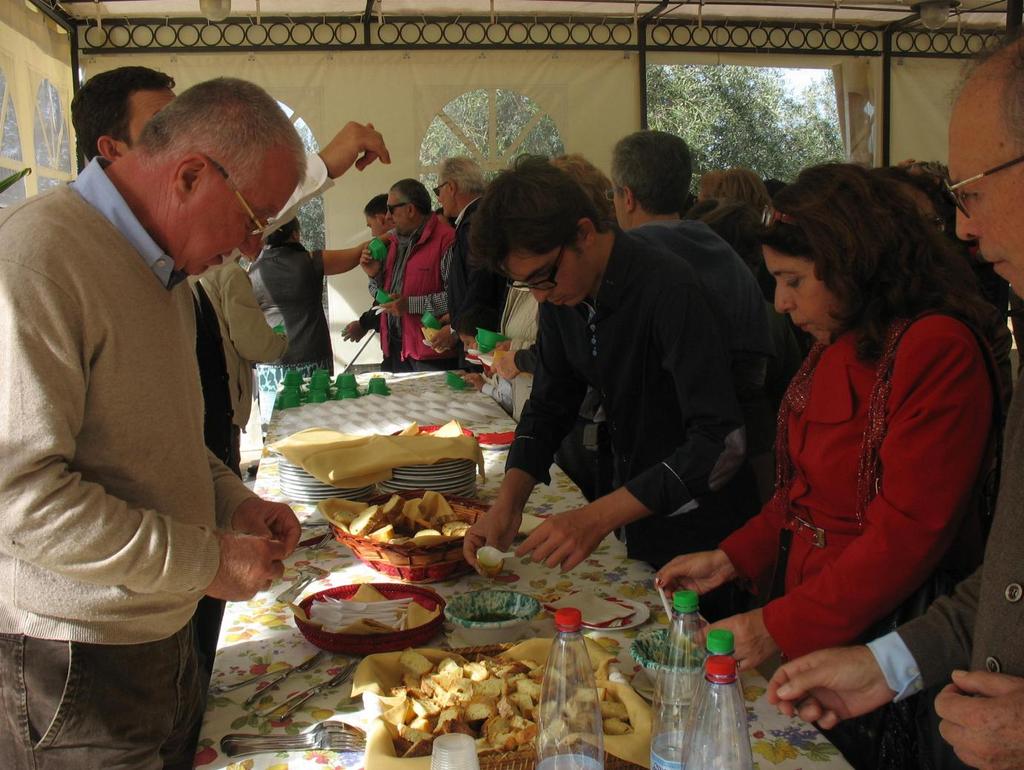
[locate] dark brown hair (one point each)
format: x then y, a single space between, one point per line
873 250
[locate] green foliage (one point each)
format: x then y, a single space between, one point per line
744 116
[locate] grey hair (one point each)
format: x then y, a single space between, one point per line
656 166
1007 61
233 121
464 172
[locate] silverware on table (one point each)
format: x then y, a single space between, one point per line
306 575
331 735
306 665
299 698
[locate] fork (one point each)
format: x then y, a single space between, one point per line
332 735
306 665
298 699
306 575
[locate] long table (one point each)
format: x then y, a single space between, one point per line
259 636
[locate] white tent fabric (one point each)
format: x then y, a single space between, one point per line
922 99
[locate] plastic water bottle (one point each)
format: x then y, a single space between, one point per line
676 682
716 731
570 733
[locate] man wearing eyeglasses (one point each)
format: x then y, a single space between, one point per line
411 274
969 642
116 518
466 285
631 321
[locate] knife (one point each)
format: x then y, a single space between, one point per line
304 666
299 698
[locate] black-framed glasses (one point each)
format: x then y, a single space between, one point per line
610 193
545 282
393 206
437 190
957 198
260 226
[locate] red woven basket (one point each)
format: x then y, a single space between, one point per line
411 562
364 644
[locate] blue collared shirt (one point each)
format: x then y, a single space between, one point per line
901 671
99 192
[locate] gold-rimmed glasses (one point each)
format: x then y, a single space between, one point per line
259 226
953 191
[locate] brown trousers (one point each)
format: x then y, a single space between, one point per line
109 707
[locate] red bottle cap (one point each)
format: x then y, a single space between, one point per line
720 669
568 619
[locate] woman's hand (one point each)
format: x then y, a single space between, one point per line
474 379
701 572
754 644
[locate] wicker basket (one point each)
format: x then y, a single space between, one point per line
366 644
411 562
523 760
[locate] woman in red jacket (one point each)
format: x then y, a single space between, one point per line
882 433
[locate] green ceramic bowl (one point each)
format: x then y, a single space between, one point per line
648 648
490 609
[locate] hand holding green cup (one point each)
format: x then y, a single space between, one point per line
486 339
378 250
430 321
382 296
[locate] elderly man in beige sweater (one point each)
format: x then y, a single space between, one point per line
115 519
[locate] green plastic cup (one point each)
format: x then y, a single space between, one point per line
317 396
289 398
382 296
428 320
378 387
455 382
378 249
486 339
292 377
345 380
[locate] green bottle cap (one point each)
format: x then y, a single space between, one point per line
720 642
378 249
684 601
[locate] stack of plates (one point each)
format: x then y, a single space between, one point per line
298 485
453 477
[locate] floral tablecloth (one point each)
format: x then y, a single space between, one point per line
259 636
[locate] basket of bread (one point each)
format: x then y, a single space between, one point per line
415 536
490 693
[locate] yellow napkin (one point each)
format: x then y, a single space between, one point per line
379 673
348 462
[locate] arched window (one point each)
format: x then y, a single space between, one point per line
53 151
10 144
493 126
311 213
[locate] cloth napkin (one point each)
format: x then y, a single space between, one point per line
349 462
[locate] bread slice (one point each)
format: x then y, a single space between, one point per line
383 535
366 522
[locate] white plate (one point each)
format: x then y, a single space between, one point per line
641 613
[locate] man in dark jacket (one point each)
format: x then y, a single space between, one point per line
632 321
462 184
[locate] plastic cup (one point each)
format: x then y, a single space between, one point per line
347 393
382 296
486 339
454 751
317 396
320 381
378 249
428 320
345 380
378 387
455 382
292 377
289 398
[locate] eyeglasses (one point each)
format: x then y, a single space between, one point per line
610 193
958 199
259 226
393 206
437 190
547 281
